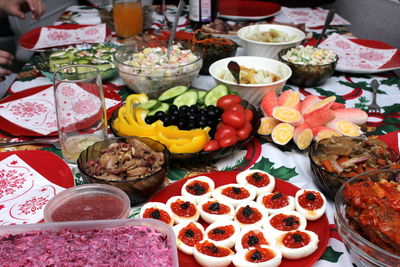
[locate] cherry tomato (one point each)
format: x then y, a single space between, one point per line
248 114
245 131
224 131
228 141
236 107
211 145
228 100
234 118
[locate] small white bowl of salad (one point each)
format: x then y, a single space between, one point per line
258 75
266 40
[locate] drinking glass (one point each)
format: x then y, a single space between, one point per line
128 18
80 109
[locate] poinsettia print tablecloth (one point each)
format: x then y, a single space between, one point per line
23 192
312 17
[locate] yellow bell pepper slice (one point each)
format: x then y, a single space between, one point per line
140 115
196 144
172 132
135 99
175 141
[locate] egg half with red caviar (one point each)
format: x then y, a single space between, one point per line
250 213
253 236
310 203
223 233
297 244
276 202
212 210
198 188
261 181
183 209
265 256
207 253
158 211
234 194
187 235
285 221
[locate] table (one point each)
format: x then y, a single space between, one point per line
349 89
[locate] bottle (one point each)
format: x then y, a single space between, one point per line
202 12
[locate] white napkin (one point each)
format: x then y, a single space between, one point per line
23 192
50 37
312 17
37 112
354 56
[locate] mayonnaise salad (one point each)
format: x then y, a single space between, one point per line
309 55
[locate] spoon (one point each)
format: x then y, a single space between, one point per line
234 68
328 21
173 32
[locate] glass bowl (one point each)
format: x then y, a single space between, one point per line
138 189
154 80
362 250
308 75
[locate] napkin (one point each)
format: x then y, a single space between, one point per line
37 112
392 140
50 37
354 56
23 192
312 17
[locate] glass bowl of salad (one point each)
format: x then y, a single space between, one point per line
145 67
310 65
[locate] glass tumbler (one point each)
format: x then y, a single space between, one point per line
80 109
128 18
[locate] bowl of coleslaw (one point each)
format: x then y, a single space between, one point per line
266 40
145 67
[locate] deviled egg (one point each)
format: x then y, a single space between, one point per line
250 213
276 202
285 221
198 188
158 211
297 244
223 233
207 253
261 181
187 235
234 194
183 209
212 210
253 236
310 203
265 256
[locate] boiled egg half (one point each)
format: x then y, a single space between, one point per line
207 253
250 213
183 209
285 221
198 188
187 235
265 256
252 236
158 211
223 233
276 202
310 203
234 194
212 210
261 181
297 244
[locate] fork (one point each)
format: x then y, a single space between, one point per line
374 107
54 143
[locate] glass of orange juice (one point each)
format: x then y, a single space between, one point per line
128 18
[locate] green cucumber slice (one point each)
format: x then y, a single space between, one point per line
188 98
151 104
202 95
172 93
163 107
214 94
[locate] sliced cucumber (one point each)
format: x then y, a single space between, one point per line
202 95
163 107
214 94
172 93
151 104
188 98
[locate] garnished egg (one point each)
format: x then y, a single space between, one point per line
158 211
285 221
234 194
310 203
207 253
212 210
198 188
265 256
276 202
187 235
261 181
297 244
250 213
223 233
253 236
183 209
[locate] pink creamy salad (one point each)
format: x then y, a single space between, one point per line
121 246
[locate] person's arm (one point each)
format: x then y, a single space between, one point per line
19 7
5 59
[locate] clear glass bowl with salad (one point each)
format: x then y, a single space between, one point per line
145 67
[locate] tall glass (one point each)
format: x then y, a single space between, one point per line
128 18
80 108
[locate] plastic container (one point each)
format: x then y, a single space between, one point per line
100 224
88 202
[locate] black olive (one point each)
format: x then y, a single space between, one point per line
211 108
173 118
218 231
256 176
203 111
289 221
189 233
159 114
149 119
202 124
174 112
193 109
297 238
173 108
184 108
182 114
214 206
198 189
181 124
311 197
276 196
192 124
253 240
168 121
192 117
155 214
211 123
256 256
219 111
211 114
247 211
203 118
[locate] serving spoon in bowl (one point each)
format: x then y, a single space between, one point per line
234 68
328 20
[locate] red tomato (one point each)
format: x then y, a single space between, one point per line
228 141
228 100
220 124
224 131
211 145
234 118
245 131
236 107
248 114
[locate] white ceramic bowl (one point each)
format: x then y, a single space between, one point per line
264 49
253 93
